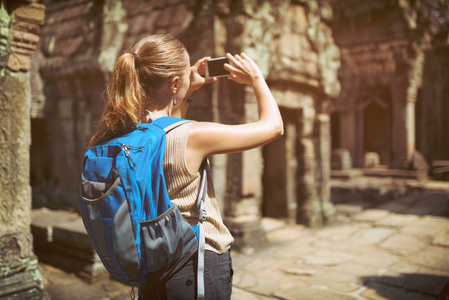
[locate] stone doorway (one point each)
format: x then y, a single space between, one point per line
280 171
376 127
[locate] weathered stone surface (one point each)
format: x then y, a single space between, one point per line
20 275
44 220
372 235
25 35
326 258
428 226
308 293
370 215
404 244
265 286
79 291
396 220
357 269
434 257
348 209
337 280
379 259
428 281
72 234
377 291
441 240
337 232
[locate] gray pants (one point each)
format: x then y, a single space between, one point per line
218 275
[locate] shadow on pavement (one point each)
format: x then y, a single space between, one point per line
408 286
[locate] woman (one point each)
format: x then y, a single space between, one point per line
154 81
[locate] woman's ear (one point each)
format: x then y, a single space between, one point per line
175 84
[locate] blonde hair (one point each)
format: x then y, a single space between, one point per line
136 79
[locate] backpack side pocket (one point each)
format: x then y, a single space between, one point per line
92 195
167 238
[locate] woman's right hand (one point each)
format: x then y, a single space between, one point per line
243 69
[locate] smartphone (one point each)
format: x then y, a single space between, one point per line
215 67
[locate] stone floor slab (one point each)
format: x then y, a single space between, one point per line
371 215
76 291
240 294
265 286
442 240
378 291
380 259
429 226
326 258
433 257
396 220
357 269
404 244
337 280
337 232
429 281
372 235
310 293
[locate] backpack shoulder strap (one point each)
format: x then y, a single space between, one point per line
201 201
170 123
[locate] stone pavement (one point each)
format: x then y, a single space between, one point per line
397 249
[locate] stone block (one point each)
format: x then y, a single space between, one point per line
336 280
297 292
442 240
380 291
244 295
337 232
44 220
428 226
341 159
247 232
427 281
434 257
348 209
357 269
380 259
372 235
265 286
326 258
370 215
404 244
371 160
395 220
72 234
76 291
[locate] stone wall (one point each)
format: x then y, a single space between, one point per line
433 102
383 47
20 276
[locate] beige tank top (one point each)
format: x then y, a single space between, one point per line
183 189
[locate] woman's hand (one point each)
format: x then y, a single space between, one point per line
243 69
197 76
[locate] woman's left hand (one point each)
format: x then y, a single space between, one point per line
197 76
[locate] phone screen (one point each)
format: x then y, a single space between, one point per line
215 67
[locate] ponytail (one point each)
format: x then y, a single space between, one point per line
124 106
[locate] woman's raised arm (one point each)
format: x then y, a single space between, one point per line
206 138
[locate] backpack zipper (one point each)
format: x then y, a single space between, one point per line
126 149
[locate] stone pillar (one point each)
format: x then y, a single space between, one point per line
323 125
308 202
399 138
20 276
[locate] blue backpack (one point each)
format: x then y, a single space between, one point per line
133 226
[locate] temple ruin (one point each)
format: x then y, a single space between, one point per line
360 84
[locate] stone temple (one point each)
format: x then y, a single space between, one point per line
362 85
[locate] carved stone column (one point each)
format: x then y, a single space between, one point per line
20 276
